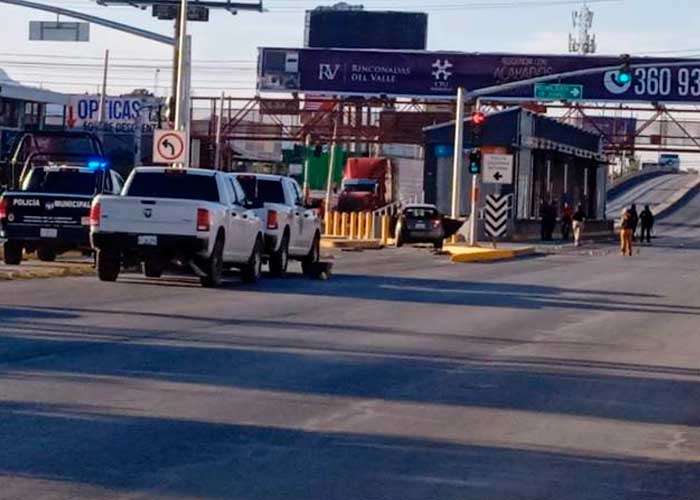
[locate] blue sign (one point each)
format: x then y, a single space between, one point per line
438 74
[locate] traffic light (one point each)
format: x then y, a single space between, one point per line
478 119
625 73
475 161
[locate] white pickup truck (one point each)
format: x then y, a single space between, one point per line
194 218
292 230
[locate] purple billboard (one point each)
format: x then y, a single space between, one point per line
438 74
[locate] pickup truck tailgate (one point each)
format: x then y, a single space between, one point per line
126 214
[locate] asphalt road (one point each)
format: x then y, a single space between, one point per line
572 376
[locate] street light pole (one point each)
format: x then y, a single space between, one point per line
180 68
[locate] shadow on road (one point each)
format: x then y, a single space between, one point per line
169 458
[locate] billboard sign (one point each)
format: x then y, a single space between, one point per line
122 114
438 74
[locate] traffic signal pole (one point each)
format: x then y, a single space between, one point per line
473 217
458 156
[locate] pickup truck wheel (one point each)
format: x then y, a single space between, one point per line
108 265
437 244
252 271
280 259
12 253
214 266
314 255
152 268
46 254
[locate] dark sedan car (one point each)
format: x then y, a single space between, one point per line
420 223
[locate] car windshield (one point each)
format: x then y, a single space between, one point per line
178 185
360 186
262 190
71 181
421 213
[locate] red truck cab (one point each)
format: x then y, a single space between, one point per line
367 185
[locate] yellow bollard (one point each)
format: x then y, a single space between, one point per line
336 223
353 225
385 230
360 226
344 224
328 224
369 226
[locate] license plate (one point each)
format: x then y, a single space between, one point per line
46 232
148 240
420 225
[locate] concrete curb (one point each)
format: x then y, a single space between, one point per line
468 254
49 271
343 243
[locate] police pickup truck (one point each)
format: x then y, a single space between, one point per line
191 219
49 213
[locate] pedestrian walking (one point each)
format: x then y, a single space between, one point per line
635 221
579 220
646 219
551 220
626 231
566 214
544 219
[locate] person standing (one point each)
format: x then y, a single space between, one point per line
635 221
626 231
646 219
544 219
566 214
579 219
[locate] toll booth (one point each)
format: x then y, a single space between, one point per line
552 161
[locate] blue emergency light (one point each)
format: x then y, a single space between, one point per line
95 165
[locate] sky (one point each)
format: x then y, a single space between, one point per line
225 49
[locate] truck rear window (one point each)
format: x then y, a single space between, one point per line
63 182
180 186
263 190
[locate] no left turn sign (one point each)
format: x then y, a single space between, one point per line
169 146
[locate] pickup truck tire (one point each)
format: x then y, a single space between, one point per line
214 266
152 268
437 244
46 254
280 259
314 255
108 265
252 271
12 253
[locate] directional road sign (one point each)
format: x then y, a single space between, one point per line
497 169
169 146
496 215
558 92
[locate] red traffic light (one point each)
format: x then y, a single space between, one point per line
478 118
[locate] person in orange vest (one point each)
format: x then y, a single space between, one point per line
626 232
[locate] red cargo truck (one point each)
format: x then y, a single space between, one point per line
368 184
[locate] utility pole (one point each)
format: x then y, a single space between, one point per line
219 125
582 41
103 94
